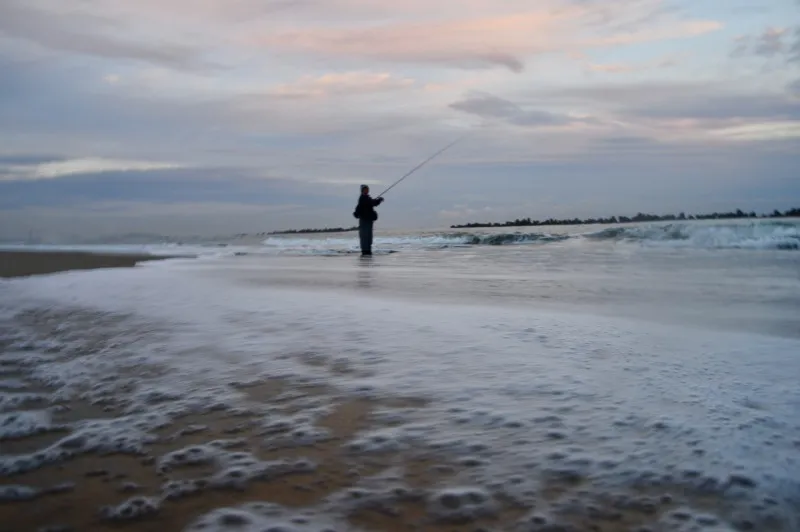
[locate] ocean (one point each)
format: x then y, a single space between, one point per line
560 371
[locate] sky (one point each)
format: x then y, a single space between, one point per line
212 117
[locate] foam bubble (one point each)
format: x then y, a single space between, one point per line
177 489
12 401
461 504
189 456
12 493
134 508
380 441
26 423
13 384
264 517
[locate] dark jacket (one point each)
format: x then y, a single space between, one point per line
365 210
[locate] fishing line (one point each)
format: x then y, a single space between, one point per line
423 163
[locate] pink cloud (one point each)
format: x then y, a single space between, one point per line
339 84
476 42
471 34
468 43
624 68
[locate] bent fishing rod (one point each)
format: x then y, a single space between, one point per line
420 165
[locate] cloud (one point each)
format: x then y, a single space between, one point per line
772 42
65 30
698 112
624 68
13 159
723 107
161 185
485 41
761 131
464 212
690 100
61 168
794 88
341 84
488 106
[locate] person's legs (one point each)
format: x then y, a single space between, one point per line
365 236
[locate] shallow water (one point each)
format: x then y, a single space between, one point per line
625 365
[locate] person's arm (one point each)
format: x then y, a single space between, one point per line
377 201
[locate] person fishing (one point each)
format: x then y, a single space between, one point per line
366 214
365 210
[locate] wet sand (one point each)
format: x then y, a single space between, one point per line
26 263
72 493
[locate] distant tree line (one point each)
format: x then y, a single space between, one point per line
325 230
640 217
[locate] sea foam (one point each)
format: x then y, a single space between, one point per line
764 234
521 399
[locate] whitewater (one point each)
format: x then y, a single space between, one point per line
634 377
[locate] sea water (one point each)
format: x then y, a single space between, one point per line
630 360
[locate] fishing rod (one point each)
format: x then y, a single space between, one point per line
420 165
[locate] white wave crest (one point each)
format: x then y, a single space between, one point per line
406 242
754 235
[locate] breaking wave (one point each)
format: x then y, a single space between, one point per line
434 241
764 235
514 238
756 235
752 235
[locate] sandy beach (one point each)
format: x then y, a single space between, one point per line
79 493
108 489
26 263
198 397
135 490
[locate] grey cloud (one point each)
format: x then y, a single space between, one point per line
170 186
722 107
480 61
741 46
620 94
770 43
45 96
674 100
50 100
87 34
489 106
794 52
26 159
60 106
794 87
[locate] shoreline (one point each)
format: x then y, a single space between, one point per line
30 262
106 428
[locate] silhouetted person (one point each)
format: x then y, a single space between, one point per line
366 214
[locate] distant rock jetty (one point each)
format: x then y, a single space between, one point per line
525 222
325 230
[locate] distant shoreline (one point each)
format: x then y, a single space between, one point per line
640 217
305 231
